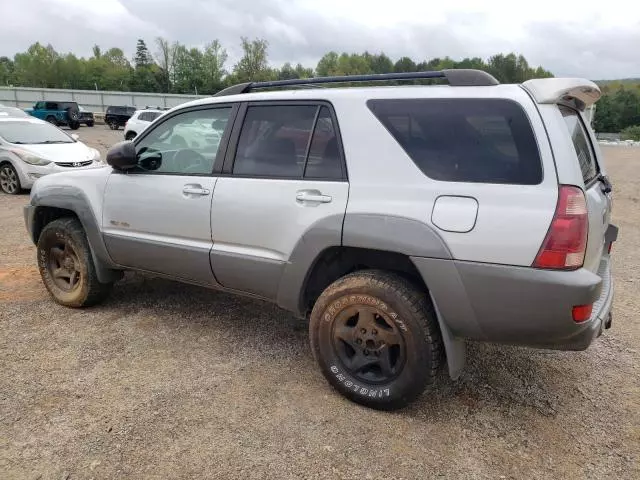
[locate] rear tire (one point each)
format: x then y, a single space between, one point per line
90 124
130 136
52 120
376 338
113 125
74 125
66 265
9 179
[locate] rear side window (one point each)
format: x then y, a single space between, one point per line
581 143
464 140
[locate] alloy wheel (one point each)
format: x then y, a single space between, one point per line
8 179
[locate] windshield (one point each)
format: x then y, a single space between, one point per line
31 133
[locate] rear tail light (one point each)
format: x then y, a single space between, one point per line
581 313
566 241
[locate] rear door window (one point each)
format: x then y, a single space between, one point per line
324 160
581 144
464 140
274 141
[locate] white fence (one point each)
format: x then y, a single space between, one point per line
93 100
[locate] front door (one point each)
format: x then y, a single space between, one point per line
287 177
157 217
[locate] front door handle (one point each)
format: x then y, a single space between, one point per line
312 196
195 190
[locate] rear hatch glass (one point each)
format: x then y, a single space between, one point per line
598 202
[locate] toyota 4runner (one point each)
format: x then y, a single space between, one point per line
401 221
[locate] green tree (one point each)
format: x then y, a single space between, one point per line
404 64
253 65
213 60
164 56
631 133
145 77
6 71
328 65
380 63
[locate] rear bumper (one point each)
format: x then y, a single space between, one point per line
519 305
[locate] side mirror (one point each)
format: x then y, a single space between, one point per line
122 156
75 136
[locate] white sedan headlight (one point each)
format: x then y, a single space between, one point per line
95 155
30 158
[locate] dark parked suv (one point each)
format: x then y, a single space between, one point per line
117 116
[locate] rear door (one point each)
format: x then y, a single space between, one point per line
284 174
598 202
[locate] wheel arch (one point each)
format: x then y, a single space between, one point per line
71 202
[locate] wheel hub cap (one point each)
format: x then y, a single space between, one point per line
369 344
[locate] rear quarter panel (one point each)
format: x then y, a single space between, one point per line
512 220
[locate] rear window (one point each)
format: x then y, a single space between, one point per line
581 144
464 140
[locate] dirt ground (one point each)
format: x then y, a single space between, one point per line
172 381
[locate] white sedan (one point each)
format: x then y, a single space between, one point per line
31 148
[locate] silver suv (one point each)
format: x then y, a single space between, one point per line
401 221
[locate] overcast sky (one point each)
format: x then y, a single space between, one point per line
598 40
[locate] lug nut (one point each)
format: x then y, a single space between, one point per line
374 331
358 341
363 330
366 352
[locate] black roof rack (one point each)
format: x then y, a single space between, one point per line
456 78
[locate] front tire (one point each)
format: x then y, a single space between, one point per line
113 125
9 179
130 136
75 125
52 120
66 265
90 124
376 339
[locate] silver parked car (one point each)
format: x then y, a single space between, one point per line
401 221
32 148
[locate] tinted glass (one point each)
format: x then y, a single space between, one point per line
51 106
581 144
32 133
324 154
151 116
184 144
464 140
144 116
274 141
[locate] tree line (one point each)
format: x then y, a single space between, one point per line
619 108
169 67
176 68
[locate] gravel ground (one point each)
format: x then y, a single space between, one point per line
172 381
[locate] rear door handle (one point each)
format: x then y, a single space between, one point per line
313 196
195 190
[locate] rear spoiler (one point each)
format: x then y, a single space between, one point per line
577 91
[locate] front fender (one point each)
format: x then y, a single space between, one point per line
80 202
